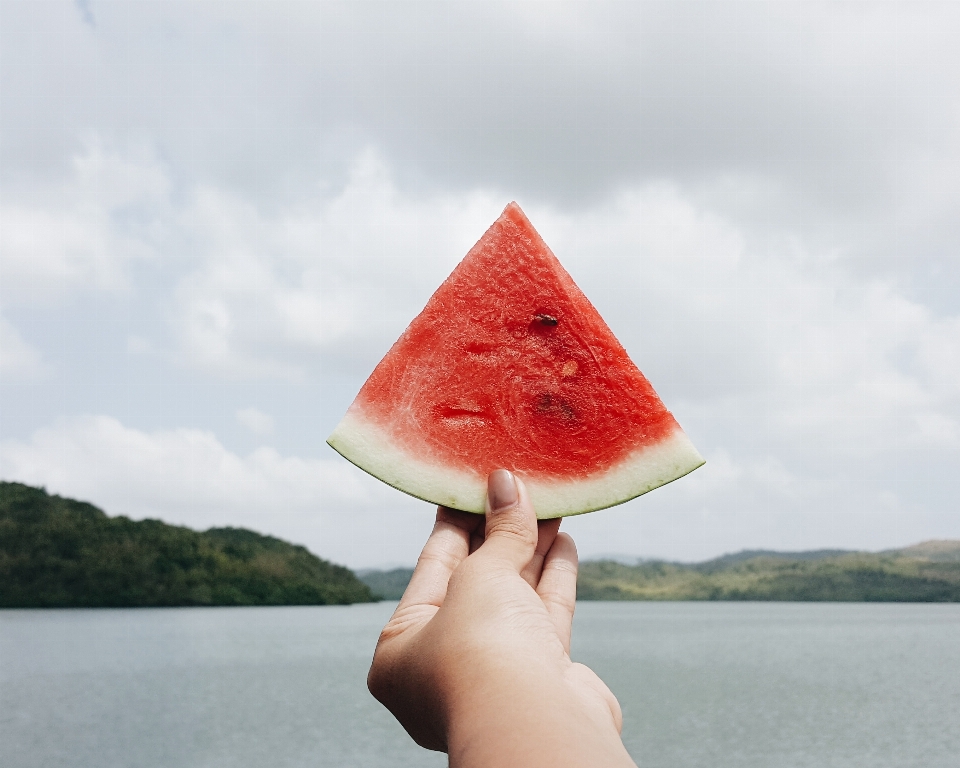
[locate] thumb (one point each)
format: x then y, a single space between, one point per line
511 526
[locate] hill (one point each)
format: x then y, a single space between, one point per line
388 584
57 552
926 572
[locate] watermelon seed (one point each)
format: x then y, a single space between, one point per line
550 406
547 319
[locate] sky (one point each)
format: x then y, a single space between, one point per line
215 218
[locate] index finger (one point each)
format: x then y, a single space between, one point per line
448 545
558 586
546 533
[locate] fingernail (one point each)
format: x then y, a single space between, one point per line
501 489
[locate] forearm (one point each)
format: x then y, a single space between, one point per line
532 721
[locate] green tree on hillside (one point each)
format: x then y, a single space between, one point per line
57 552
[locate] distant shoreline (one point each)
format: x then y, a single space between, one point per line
928 572
61 553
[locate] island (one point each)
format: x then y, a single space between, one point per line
61 553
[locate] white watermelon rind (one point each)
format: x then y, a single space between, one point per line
369 446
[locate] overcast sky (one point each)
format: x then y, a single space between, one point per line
216 217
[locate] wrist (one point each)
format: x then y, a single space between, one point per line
531 716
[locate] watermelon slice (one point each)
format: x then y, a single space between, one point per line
509 365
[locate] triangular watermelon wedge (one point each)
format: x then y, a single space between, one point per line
509 365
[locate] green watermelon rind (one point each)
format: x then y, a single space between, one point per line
371 448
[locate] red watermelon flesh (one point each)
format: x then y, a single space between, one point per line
509 365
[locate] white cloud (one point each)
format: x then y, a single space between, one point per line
186 476
19 361
269 293
86 231
256 421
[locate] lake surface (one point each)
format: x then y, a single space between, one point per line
701 684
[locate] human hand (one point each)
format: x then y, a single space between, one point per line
476 659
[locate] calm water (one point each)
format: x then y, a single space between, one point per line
701 684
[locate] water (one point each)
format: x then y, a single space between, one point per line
701 684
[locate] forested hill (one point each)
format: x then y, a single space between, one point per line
57 552
927 572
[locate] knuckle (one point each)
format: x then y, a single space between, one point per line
443 558
564 567
565 602
514 529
